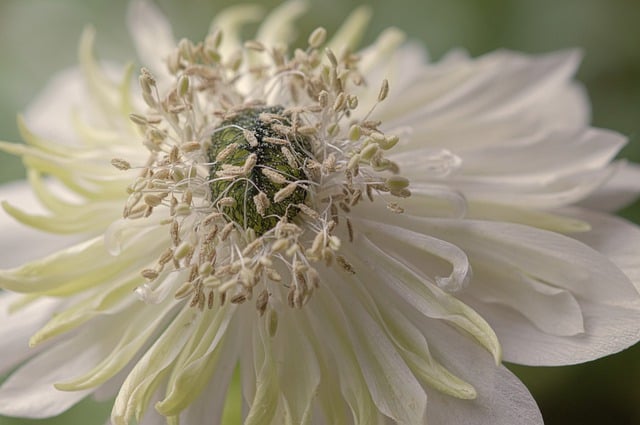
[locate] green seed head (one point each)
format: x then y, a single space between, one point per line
279 163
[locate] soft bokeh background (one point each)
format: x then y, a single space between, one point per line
38 38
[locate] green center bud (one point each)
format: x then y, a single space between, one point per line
255 168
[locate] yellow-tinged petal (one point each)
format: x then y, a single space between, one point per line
540 219
79 267
265 401
277 28
446 306
105 93
84 310
141 326
84 218
134 395
386 43
351 31
197 362
414 349
230 20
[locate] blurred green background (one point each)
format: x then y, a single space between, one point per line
39 37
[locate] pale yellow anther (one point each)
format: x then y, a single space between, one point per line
352 101
182 250
279 245
338 104
285 192
262 301
307 130
184 290
211 282
228 150
318 243
190 147
226 231
206 269
369 151
333 129
183 85
152 200
354 132
396 183
273 176
120 164
384 90
261 201
389 142
377 137
149 274
138 119
249 163
323 98
317 37
227 201
353 162
308 211
250 137
291 159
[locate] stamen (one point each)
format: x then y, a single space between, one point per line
251 189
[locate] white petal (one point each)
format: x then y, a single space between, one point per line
502 399
552 155
614 237
410 280
550 257
17 327
611 317
620 190
549 169
152 35
133 397
300 372
209 406
65 90
392 385
278 29
610 311
264 405
427 246
193 369
230 21
503 87
128 345
329 323
347 37
553 310
21 243
30 392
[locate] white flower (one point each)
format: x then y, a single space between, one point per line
362 236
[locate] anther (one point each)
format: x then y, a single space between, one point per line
317 37
120 164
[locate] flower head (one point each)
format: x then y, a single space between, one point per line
360 234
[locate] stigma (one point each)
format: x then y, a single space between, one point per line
258 174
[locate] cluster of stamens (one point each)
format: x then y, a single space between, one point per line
255 185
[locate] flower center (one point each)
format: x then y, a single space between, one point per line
257 169
254 171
